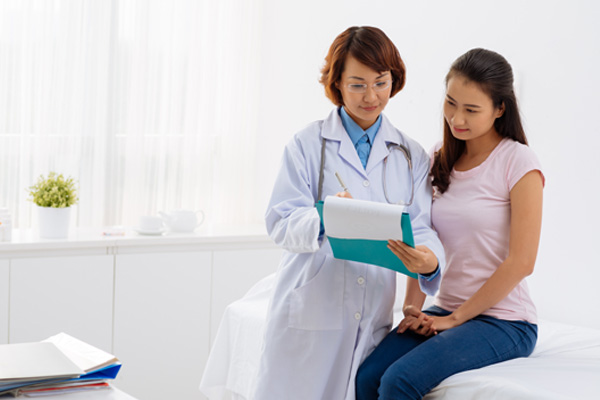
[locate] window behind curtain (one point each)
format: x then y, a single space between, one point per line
149 105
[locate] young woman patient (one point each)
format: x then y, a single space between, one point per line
487 210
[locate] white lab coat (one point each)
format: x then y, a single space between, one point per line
327 315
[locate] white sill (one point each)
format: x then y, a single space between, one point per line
26 242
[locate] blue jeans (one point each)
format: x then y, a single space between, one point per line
409 365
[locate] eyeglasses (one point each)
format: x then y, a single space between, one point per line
362 87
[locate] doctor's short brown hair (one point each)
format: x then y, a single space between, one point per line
371 47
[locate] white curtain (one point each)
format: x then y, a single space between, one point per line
150 105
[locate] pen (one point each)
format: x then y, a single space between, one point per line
339 178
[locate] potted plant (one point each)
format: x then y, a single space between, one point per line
54 197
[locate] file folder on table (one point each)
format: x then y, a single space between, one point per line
359 231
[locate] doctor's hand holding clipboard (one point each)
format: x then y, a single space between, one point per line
375 233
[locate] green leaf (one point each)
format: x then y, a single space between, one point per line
54 191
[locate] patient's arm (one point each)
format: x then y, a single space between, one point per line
414 319
525 228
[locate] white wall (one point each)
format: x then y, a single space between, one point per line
554 48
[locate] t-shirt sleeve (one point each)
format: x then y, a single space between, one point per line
432 152
523 160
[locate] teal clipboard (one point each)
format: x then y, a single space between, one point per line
373 252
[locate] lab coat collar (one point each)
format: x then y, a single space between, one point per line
387 134
333 129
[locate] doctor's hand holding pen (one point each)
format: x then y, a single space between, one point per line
346 193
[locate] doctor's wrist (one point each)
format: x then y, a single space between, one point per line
431 275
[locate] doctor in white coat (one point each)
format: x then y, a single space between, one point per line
327 315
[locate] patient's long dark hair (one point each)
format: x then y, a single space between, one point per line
494 76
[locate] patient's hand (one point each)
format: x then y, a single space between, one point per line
416 321
444 323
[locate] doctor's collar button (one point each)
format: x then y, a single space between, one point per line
357 316
361 280
366 183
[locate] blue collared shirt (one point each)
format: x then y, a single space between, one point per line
356 132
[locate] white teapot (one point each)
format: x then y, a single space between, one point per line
182 220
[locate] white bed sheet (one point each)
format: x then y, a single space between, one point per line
564 365
232 365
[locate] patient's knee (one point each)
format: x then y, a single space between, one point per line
398 385
367 382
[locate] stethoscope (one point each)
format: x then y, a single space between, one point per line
391 146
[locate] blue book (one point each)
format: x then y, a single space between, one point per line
108 372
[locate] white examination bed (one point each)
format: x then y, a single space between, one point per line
564 365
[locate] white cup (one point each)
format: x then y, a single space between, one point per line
150 223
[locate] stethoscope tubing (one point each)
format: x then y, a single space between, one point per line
406 153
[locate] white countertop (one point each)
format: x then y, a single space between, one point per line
27 241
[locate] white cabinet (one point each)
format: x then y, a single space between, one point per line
154 302
4 267
72 294
162 323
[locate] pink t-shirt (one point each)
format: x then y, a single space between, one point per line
472 219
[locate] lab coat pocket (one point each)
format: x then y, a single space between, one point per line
318 304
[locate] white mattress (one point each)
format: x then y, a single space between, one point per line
564 365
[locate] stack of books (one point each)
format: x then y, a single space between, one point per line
58 364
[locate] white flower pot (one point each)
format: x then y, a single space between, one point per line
54 222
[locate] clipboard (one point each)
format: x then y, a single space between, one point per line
371 251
